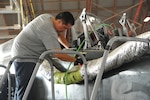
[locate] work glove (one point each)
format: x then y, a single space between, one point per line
78 61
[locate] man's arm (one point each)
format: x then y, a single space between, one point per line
63 40
65 57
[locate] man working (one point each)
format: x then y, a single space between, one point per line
43 33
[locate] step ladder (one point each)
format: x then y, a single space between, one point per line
12 8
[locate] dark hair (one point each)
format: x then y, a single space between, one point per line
66 17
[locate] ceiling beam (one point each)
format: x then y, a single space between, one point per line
89 5
117 14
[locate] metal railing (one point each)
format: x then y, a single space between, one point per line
43 56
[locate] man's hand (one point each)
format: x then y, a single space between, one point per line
78 61
62 40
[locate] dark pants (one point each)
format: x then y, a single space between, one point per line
23 72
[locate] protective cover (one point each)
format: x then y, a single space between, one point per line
125 53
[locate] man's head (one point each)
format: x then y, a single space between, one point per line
63 21
66 17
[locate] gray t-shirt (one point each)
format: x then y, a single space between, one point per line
38 36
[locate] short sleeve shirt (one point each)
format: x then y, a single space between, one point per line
38 36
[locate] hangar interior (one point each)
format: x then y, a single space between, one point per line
115 60
109 11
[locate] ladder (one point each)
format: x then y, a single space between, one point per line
12 8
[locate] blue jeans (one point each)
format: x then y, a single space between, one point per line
23 72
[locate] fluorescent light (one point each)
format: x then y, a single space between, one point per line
147 19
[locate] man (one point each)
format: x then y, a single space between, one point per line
43 33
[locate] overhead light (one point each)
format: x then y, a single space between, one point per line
147 19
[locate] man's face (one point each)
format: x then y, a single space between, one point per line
61 27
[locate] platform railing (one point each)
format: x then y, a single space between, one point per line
43 56
41 59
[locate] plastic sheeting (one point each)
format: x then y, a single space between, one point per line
127 52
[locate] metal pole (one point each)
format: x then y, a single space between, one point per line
52 77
